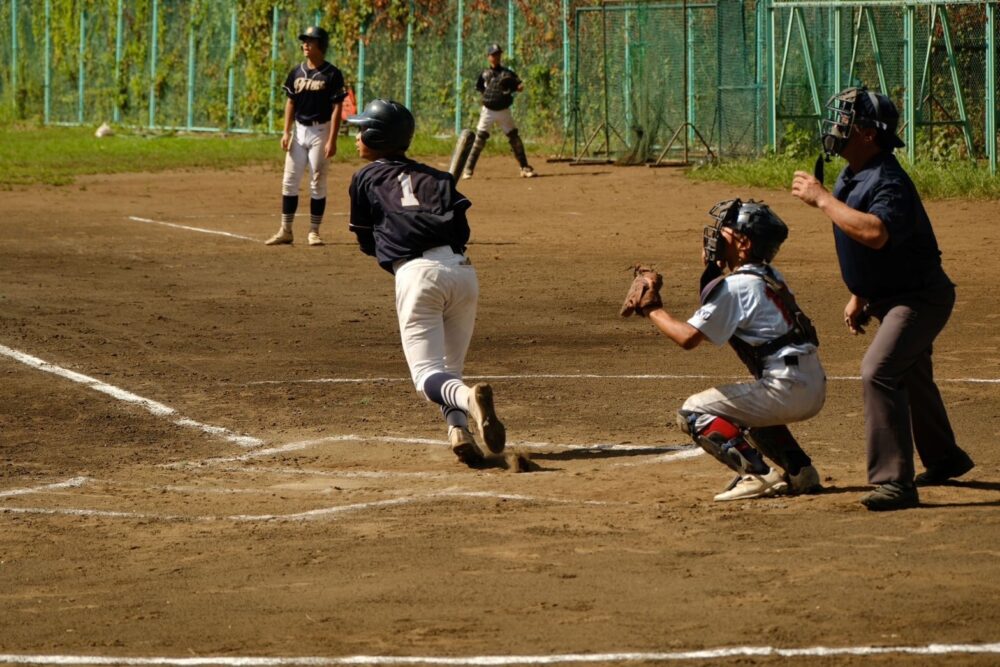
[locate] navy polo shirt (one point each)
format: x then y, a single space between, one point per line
910 261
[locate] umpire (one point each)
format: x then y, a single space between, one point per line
890 262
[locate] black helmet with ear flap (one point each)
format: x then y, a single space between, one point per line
321 36
385 125
752 219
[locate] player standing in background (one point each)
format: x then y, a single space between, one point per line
753 310
891 264
497 85
315 90
410 217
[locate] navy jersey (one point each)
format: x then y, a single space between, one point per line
400 208
910 261
314 92
498 85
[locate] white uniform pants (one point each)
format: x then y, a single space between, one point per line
308 147
487 117
436 298
796 395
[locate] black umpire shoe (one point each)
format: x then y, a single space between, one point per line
891 496
941 473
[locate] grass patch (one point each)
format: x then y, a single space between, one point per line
57 155
934 180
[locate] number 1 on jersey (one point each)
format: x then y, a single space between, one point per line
409 199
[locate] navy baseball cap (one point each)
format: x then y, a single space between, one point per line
879 110
493 48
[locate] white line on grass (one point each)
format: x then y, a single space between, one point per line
68 484
151 406
503 660
193 229
584 376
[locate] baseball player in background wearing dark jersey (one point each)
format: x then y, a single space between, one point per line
315 90
497 84
411 218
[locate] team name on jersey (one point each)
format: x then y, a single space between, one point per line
309 84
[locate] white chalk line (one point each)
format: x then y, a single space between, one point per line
153 407
71 483
501 660
322 512
586 376
193 229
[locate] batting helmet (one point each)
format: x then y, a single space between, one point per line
752 219
385 125
863 108
321 36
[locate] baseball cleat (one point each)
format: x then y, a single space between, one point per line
314 239
466 175
755 486
806 481
490 428
283 237
528 172
464 446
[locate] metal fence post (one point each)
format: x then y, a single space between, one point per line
153 42
274 67
411 18
565 48
231 85
460 20
510 29
360 92
81 75
47 84
991 86
13 51
772 83
190 71
910 80
116 115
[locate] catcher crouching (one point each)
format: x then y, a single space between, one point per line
746 302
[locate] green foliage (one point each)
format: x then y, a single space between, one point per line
799 143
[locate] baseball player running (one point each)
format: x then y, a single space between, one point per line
315 90
497 84
410 217
753 310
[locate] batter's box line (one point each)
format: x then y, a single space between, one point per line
153 407
534 446
508 660
72 483
308 515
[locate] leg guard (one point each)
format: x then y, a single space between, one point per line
477 147
517 146
723 440
778 444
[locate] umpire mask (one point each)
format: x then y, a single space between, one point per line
859 107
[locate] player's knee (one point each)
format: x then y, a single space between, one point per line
724 440
482 136
513 136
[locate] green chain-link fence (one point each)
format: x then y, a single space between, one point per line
633 81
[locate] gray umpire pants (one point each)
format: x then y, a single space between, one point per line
903 407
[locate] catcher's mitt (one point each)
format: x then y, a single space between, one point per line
644 293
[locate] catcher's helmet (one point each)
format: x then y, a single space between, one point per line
754 220
864 108
385 125
321 36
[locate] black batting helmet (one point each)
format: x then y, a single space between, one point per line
385 125
754 220
321 36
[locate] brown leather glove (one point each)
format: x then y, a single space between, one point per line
644 293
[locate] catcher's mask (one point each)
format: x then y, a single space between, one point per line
385 126
859 107
752 219
321 36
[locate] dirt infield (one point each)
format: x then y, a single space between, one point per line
340 525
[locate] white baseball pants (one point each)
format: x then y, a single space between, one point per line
771 400
487 117
308 147
436 298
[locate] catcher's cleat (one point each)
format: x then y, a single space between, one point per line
755 486
806 481
490 429
528 172
314 239
466 175
283 237
464 446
